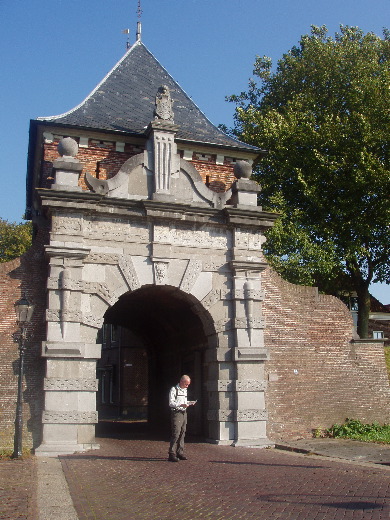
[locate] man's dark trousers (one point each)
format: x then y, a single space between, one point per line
178 429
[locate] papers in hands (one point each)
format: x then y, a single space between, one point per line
191 403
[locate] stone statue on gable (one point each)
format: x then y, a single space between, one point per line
164 104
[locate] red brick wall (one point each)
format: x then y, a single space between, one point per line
317 376
25 275
218 177
100 159
100 155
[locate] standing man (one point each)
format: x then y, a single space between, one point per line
178 404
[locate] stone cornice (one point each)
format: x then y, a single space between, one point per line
250 217
92 202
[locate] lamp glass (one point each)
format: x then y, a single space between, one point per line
23 310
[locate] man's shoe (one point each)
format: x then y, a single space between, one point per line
172 458
182 457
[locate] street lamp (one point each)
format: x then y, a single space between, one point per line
24 310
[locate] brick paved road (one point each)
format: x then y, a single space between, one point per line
18 489
132 480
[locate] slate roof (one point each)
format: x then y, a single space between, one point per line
124 101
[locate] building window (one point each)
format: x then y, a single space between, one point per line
114 334
353 303
378 334
105 335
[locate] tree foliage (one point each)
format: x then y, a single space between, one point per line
324 117
15 239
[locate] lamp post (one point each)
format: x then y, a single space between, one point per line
24 310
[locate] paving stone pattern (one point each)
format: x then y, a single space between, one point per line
18 489
132 480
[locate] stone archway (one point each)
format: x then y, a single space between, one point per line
202 260
162 336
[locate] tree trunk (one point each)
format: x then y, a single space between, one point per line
363 297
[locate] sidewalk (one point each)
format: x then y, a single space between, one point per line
18 497
347 449
321 478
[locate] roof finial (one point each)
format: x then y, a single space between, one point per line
127 31
139 13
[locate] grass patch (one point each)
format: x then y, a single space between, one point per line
354 429
6 453
387 357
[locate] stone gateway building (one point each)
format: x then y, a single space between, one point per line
147 263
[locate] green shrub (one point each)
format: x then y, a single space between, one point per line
355 429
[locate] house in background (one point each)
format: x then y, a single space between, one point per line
379 321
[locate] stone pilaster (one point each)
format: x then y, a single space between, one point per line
249 414
166 162
70 385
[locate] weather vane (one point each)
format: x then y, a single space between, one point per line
127 31
139 14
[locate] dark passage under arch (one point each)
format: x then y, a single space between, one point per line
151 336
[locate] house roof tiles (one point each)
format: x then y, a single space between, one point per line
124 101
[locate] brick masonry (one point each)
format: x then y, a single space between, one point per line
100 159
25 275
317 375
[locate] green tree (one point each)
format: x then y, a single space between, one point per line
324 117
15 239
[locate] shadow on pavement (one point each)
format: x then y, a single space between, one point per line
137 430
88 456
248 463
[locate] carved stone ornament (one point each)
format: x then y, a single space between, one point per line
105 186
55 283
70 417
243 323
79 385
250 415
129 272
225 385
160 273
250 385
67 224
71 316
164 104
52 315
194 268
212 298
223 325
220 415
115 229
93 321
246 385
103 258
68 147
244 239
207 237
213 265
242 170
252 294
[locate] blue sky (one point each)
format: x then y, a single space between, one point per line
54 52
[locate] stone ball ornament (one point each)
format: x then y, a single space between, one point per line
68 147
242 170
